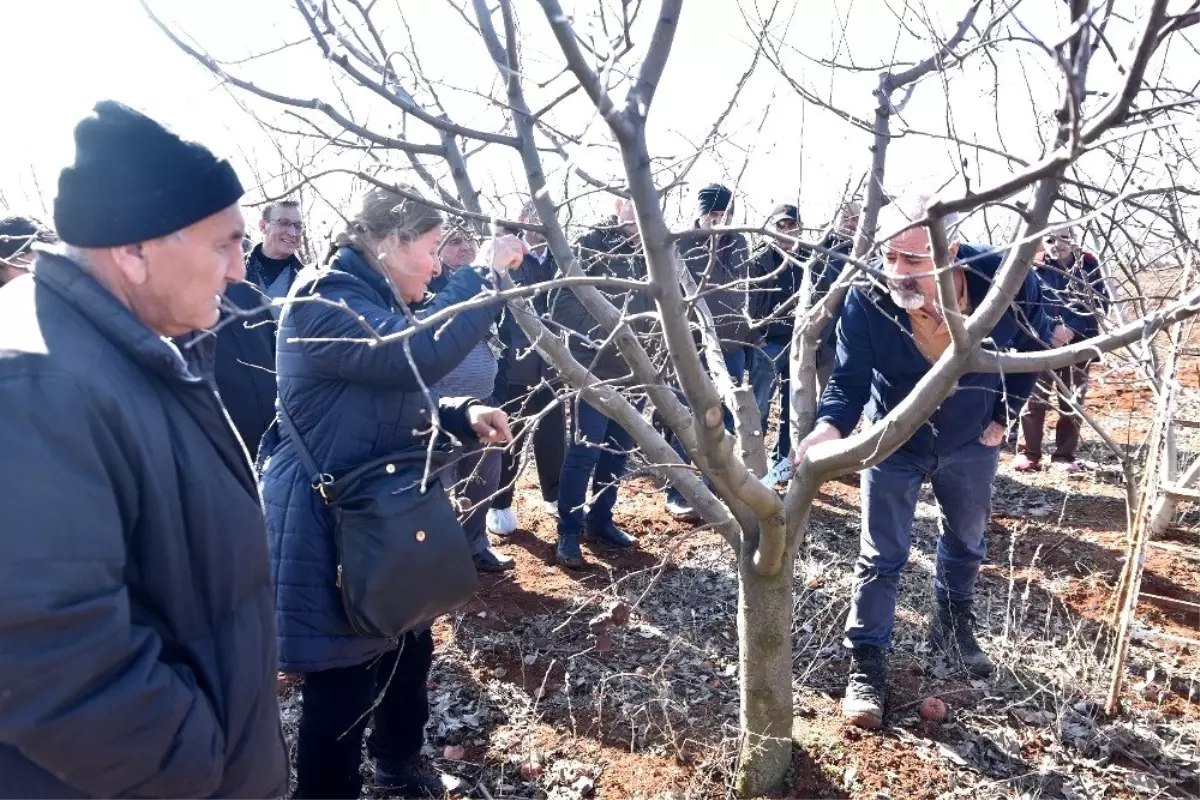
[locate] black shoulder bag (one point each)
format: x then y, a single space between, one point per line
403 557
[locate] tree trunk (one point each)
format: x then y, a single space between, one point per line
765 644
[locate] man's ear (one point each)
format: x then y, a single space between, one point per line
953 251
262 226
131 261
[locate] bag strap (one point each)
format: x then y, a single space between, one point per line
320 480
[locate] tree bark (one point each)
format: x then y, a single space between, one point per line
765 645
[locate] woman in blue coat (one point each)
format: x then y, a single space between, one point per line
352 402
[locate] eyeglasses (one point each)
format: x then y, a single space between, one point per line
298 227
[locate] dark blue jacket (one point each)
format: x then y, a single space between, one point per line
520 365
769 296
1074 293
137 630
351 403
878 362
245 364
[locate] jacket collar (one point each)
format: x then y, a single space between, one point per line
294 263
112 318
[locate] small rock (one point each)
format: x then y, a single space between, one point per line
530 659
585 786
1141 782
482 615
499 672
454 752
849 776
933 709
531 770
604 642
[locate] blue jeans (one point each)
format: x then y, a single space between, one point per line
769 368
597 449
735 362
962 484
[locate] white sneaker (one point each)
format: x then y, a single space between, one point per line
780 473
501 521
551 508
680 509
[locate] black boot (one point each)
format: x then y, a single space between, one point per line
866 688
610 535
568 551
414 777
953 635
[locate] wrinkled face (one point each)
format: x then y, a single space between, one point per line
458 251
282 232
16 266
847 221
1059 246
713 219
174 284
908 264
413 264
788 227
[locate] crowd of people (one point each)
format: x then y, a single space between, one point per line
193 425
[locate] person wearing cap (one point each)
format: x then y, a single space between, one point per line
888 337
823 268
473 472
777 274
525 386
18 235
137 631
720 265
1075 294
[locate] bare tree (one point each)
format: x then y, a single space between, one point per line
593 95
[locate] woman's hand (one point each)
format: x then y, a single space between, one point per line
489 424
504 252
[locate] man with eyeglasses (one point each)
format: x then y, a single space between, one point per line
888 337
1076 295
273 264
17 237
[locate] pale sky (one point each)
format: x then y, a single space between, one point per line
783 148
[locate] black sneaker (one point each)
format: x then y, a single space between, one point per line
568 552
866 688
491 561
952 634
415 777
610 535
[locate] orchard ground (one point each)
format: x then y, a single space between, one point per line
540 703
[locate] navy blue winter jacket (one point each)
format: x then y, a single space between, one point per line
351 403
878 362
137 636
1074 293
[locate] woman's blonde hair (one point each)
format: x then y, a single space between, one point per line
383 211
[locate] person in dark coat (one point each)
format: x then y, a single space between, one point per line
351 403
779 279
245 366
273 265
525 387
887 339
137 633
18 235
720 266
1076 295
598 448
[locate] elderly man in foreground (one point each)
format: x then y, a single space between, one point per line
137 631
887 339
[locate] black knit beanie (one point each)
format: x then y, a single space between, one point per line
133 180
714 197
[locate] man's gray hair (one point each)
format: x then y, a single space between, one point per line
907 209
